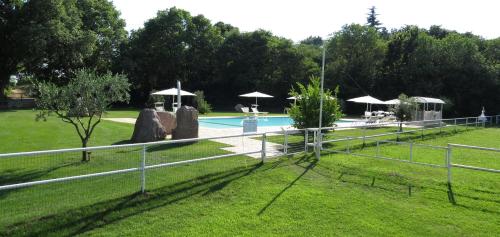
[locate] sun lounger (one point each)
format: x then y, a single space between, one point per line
256 111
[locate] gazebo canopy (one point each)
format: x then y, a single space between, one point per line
428 100
420 100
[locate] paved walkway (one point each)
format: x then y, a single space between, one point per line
236 144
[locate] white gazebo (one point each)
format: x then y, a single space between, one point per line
256 94
427 109
173 92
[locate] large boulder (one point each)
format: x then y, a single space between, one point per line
168 120
187 123
148 127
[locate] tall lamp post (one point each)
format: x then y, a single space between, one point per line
318 133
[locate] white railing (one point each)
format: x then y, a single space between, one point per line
142 168
317 144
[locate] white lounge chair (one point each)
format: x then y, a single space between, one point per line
245 109
367 115
256 111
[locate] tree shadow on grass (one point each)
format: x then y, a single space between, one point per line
81 220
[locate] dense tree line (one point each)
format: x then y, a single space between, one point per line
51 38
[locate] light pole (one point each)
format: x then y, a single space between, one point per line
319 138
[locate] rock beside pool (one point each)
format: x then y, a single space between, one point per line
148 127
187 123
168 120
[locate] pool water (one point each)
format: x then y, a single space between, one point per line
237 122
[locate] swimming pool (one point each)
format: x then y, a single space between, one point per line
237 122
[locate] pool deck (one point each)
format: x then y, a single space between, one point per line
236 144
243 143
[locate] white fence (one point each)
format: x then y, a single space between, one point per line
312 137
143 167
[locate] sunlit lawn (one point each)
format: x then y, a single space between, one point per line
296 196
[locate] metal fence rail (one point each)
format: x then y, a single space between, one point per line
142 159
148 156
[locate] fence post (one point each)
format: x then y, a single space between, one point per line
364 134
348 145
451 197
378 150
422 136
143 169
440 126
263 152
285 149
411 152
317 144
466 123
306 139
477 121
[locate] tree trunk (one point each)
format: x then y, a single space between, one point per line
85 154
400 126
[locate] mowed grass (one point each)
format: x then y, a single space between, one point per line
297 196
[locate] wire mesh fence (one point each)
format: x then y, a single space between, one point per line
28 180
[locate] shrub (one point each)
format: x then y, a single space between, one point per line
305 112
201 104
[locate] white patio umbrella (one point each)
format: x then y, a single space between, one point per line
173 92
368 100
257 94
392 102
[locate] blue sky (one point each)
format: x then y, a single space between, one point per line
298 19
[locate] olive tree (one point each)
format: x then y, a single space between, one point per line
305 111
83 101
404 109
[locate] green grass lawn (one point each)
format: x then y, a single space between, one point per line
296 196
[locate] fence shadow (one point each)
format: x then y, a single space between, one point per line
312 163
81 220
15 176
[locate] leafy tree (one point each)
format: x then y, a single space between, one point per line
226 29
10 57
404 110
83 101
60 35
313 40
201 104
305 112
372 20
172 46
355 55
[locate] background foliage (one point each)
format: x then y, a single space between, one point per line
50 39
